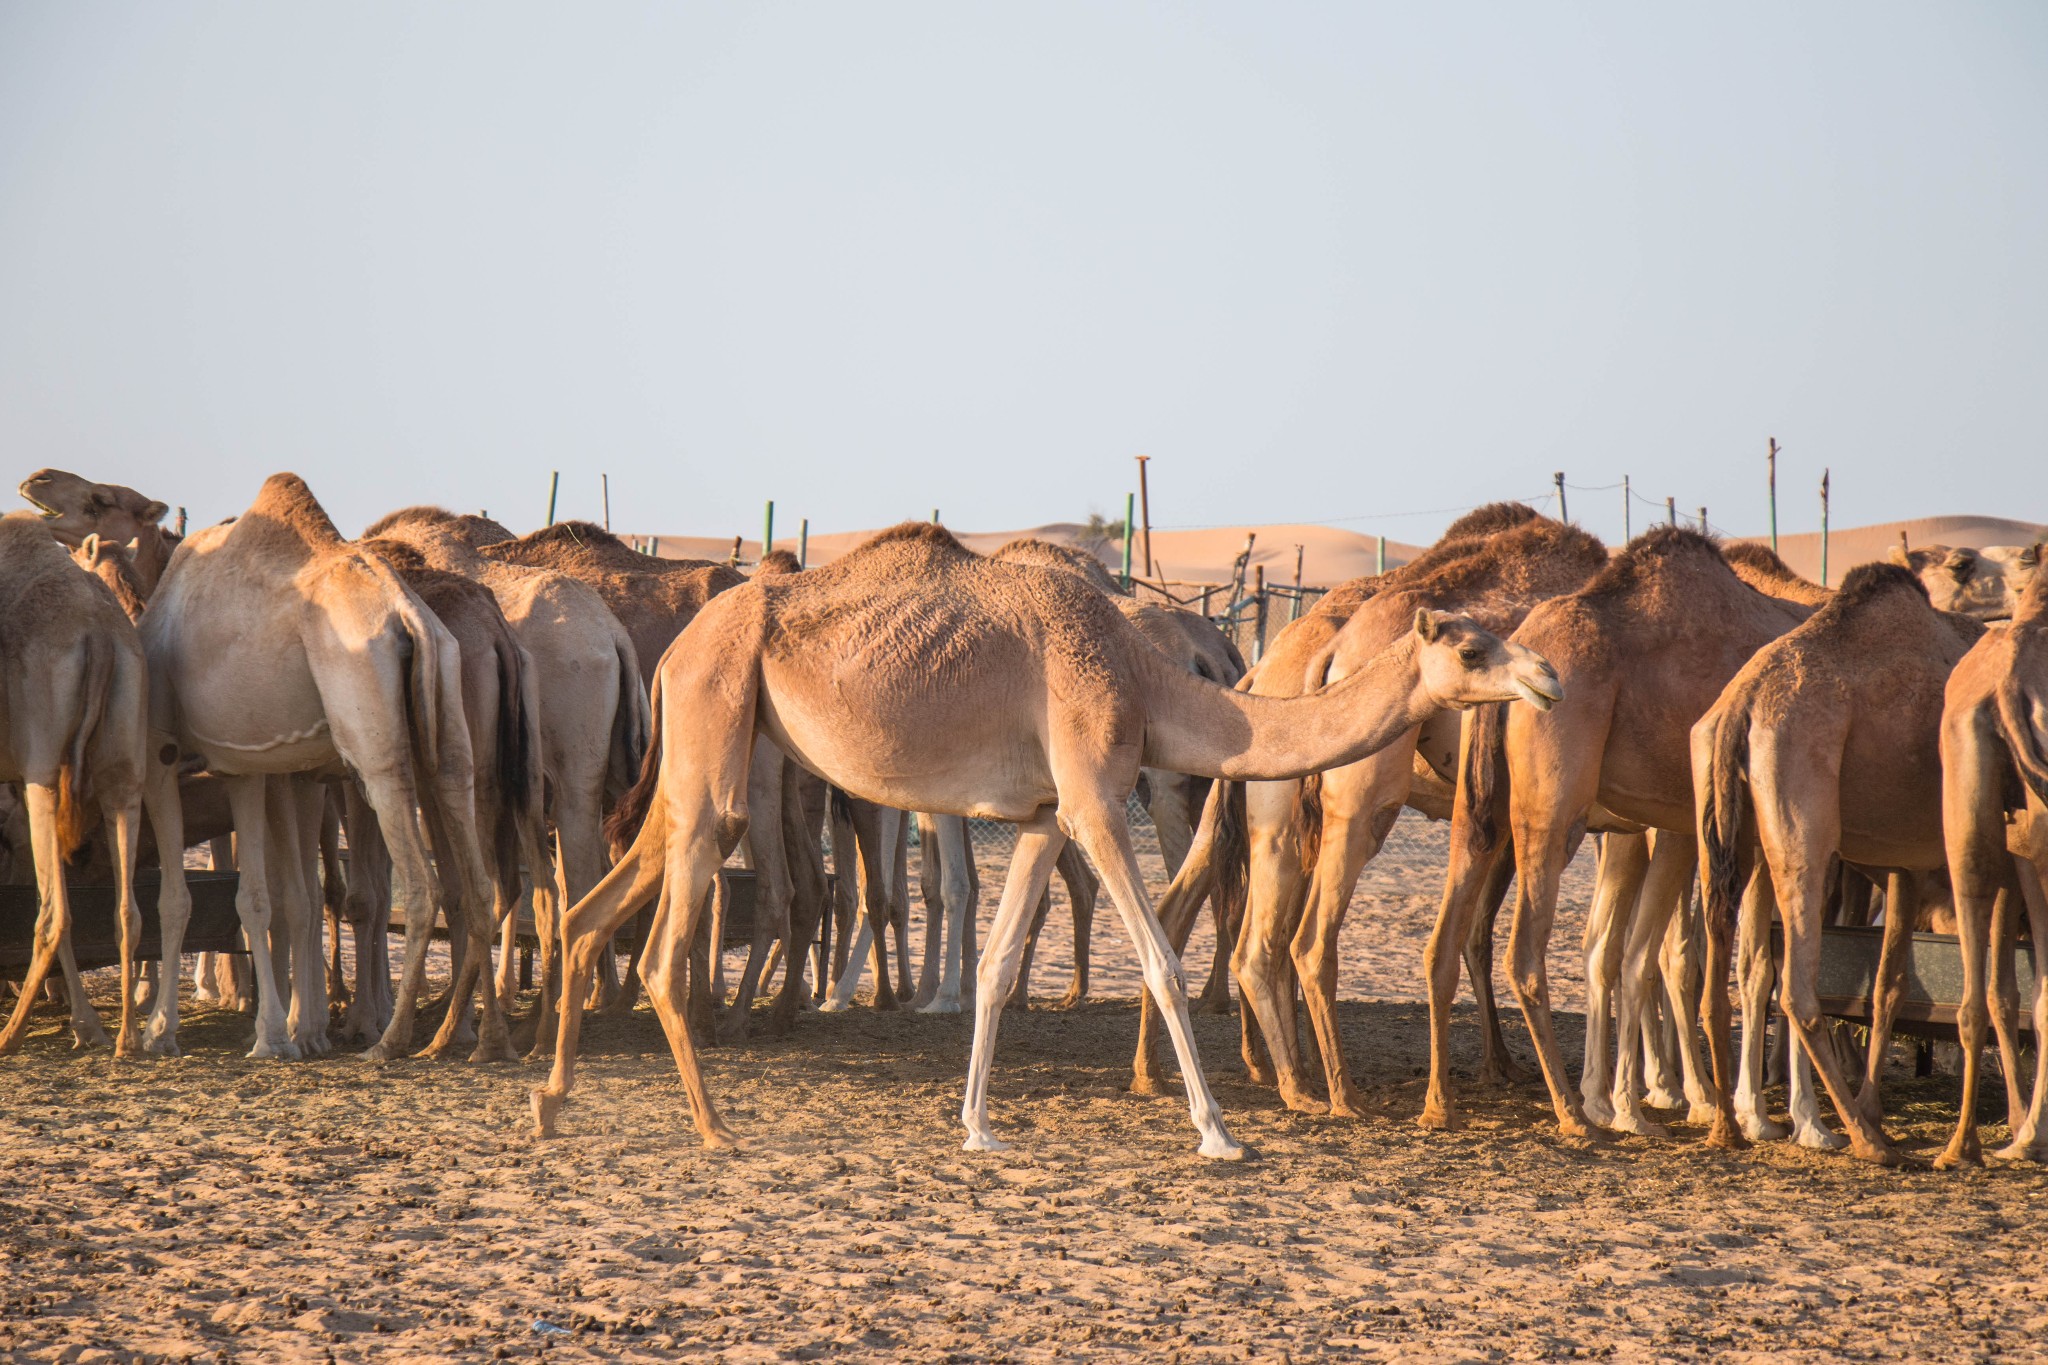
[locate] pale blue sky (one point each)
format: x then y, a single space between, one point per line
1322 262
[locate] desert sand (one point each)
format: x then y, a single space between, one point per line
215 1208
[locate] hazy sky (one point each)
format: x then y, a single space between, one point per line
1321 262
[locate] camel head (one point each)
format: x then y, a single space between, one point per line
1986 584
74 508
1464 664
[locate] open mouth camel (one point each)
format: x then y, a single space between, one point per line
924 677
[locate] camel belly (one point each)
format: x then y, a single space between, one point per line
277 727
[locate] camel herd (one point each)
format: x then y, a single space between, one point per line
558 727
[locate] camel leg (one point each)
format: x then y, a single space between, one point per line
1082 888
668 938
333 886
1665 883
772 888
1020 990
930 861
1195 882
87 1032
174 898
1171 801
878 834
957 897
1351 836
1541 850
124 822
1624 859
1680 966
1471 871
1264 963
252 905
1497 1065
802 814
845 890
1038 847
1755 974
2027 1142
899 909
2002 966
1102 830
1902 905
295 804
367 909
53 908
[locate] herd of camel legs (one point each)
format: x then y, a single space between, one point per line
558 721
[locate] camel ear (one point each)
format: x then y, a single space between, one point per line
90 546
154 513
1425 625
1897 555
134 545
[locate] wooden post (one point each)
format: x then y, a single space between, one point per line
1382 556
1258 611
1558 478
768 529
181 523
1294 608
735 559
1206 590
1671 510
1824 527
1145 513
1703 521
1624 509
935 516
803 543
1772 463
604 484
1130 503
554 482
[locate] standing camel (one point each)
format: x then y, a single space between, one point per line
281 653
1829 739
1994 764
924 677
74 731
1642 650
74 508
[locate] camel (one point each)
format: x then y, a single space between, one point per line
1986 584
921 676
1993 767
74 508
281 653
1642 650
74 731
1309 840
593 710
500 703
1828 739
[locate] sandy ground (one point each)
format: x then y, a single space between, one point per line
215 1208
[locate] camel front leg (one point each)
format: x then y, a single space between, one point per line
295 804
1902 907
2028 1141
1680 963
1195 882
930 859
1352 835
174 898
87 1032
1667 880
949 836
1264 963
246 795
1082 887
1038 847
878 836
772 889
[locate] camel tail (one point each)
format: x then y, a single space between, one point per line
74 778
622 826
2021 738
632 726
1233 849
518 732
425 687
1482 780
1308 820
1721 818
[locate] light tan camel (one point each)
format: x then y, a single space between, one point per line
501 704
1986 584
1828 741
281 653
924 677
74 508
1643 650
73 730
1994 761
1310 840
593 709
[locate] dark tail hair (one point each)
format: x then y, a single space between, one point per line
1233 856
1308 821
1721 818
622 827
74 779
632 723
1484 776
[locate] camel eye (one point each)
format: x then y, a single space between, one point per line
1472 655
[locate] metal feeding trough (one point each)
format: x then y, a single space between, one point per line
1934 978
95 937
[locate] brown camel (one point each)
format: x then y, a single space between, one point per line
1310 840
1994 769
1986 584
924 677
1828 739
593 709
281 654
73 730
74 508
1643 650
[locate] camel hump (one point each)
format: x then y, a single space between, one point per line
286 500
1869 582
1488 519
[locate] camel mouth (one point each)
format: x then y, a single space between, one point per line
1541 696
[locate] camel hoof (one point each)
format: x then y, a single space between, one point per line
723 1139
89 1040
382 1052
1599 1110
1262 1075
1953 1158
1761 1128
1223 1147
1148 1085
1877 1154
1076 999
1638 1124
165 1045
1819 1137
1305 1104
2016 1151
502 1051
1726 1136
1661 1098
546 1109
283 1049
1203 1005
1349 1109
1701 1112
1441 1119
943 1005
984 1142
832 1005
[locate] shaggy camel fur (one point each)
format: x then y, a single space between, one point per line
1993 726
74 508
593 710
924 677
1986 584
1829 741
281 654
1643 650
73 730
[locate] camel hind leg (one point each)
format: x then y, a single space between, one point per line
1624 860
1038 846
53 910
